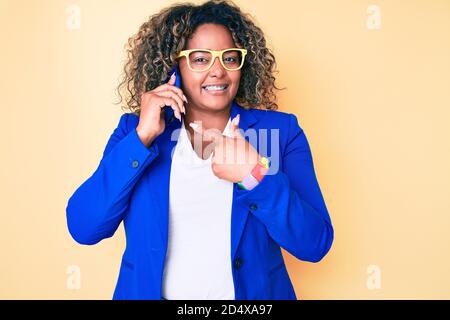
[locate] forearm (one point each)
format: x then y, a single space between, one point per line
96 208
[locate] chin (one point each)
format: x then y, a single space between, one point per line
219 104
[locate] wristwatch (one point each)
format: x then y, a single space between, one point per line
256 175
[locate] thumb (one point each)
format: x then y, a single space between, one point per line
235 126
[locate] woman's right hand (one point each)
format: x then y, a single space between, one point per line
151 120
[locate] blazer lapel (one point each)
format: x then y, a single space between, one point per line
239 217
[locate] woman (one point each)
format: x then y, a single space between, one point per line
205 211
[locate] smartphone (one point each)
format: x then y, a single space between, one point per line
177 84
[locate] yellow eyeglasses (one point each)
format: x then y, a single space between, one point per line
200 60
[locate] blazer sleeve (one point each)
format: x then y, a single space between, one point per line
97 207
290 202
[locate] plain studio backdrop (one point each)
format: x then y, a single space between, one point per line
369 82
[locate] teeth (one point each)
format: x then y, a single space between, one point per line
215 88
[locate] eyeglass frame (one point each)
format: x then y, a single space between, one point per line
214 53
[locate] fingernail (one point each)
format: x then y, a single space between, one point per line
236 120
185 99
193 125
173 74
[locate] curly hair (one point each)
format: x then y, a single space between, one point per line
152 52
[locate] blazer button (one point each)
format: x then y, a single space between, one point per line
253 207
135 163
238 263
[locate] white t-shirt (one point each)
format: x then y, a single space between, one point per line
198 261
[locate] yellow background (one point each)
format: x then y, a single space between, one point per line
374 105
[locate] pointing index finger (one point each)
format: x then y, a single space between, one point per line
209 134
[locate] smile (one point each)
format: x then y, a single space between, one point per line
215 89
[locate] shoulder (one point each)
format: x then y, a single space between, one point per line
285 121
281 126
288 123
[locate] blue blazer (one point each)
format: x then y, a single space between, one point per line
131 184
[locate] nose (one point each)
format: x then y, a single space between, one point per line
217 67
